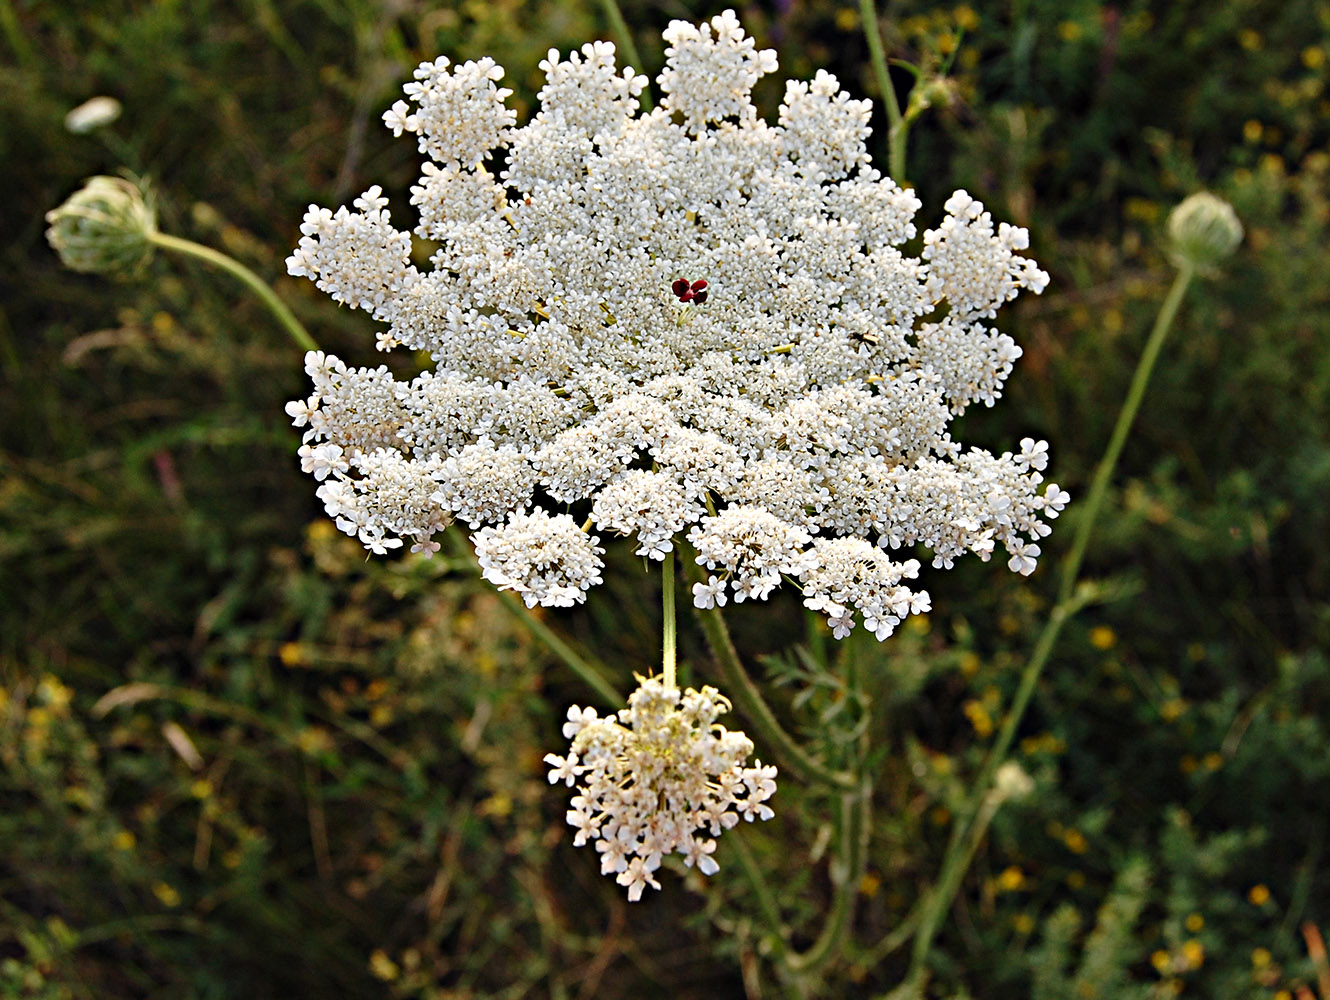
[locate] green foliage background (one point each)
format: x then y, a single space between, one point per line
237 759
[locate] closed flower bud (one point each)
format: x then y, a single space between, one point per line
937 91
105 227
1203 231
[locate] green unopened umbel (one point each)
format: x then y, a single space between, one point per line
106 227
1203 230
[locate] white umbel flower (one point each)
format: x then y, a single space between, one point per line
683 323
548 560
973 267
660 777
652 506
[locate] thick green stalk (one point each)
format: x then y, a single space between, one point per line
962 844
252 281
741 689
897 129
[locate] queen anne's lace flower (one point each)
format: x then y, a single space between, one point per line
660 777
685 322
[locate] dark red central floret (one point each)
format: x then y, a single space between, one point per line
696 292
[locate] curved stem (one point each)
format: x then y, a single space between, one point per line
847 869
669 658
897 128
895 939
593 678
147 923
252 281
745 694
847 873
802 969
200 701
766 899
970 826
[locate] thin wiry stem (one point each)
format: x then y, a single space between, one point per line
967 830
847 873
592 676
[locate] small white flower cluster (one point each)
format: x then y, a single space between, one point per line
548 560
661 777
709 70
688 322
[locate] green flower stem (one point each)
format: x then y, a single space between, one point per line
898 128
766 899
740 687
592 676
969 828
847 874
626 43
1139 381
847 870
851 861
252 281
669 658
